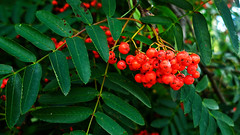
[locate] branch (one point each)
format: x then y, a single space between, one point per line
213 83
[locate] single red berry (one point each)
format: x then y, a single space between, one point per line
66 6
165 64
112 60
161 55
196 74
86 5
108 33
5 81
147 66
188 80
141 58
18 127
121 65
99 5
110 40
176 84
138 78
151 53
71 128
195 58
187 61
182 56
182 106
173 61
2 86
159 73
191 69
135 65
167 71
54 2
3 97
46 80
167 79
104 27
111 54
93 3
156 64
170 54
18 36
129 59
61 10
123 37
149 37
88 40
124 48
180 76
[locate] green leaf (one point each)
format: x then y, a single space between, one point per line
166 11
115 27
82 14
35 37
178 33
130 87
156 20
203 37
63 114
211 104
227 18
163 111
237 3
223 117
160 123
100 41
225 129
165 131
122 107
77 132
31 82
56 24
212 127
173 129
76 95
109 7
108 124
179 125
30 13
203 125
203 84
16 50
116 115
52 85
60 67
196 109
78 51
187 96
5 69
13 97
183 4
236 113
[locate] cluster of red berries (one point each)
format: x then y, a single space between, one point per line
60 9
145 132
159 66
4 83
58 44
93 3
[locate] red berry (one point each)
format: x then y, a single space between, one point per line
191 69
18 36
156 64
46 80
167 79
66 6
195 58
110 40
124 48
86 5
147 66
180 76
151 53
161 55
176 84
71 128
61 10
112 60
136 65
99 5
149 37
111 54
2 86
88 40
151 76
54 2
182 56
170 54
123 37
196 74
188 80
121 65
104 27
108 33
173 61
187 61
129 59
3 97
165 64
138 78
5 81
141 58
93 3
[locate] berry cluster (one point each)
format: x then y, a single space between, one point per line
4 83
93 3
58 44
60 9
163 66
